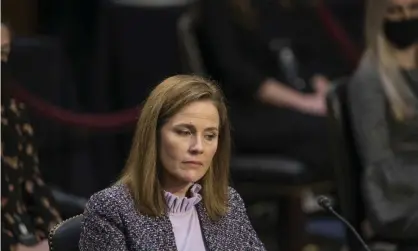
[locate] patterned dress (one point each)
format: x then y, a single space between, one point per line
28 210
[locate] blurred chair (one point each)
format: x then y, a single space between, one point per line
346 160
66 235
69 205
190 56
260 178
347 165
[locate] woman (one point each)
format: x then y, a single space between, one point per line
28 210
269 114
174 193
383 99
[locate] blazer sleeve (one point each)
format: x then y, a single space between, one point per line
253 242
102 226
235 69
368 111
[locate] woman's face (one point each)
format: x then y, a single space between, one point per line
401 23
5 43
402 9
188 142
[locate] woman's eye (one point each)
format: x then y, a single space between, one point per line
184 132
210 136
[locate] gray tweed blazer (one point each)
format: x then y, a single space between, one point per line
112 223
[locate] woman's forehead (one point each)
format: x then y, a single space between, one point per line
197 113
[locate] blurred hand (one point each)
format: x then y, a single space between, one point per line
321 84
280 95
314 104
42 246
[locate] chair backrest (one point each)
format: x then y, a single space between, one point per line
346 160
66 235
191 56
69 205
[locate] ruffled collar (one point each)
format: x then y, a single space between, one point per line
178 204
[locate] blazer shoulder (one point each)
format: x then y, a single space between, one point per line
232 191
234 196
366 76
109 200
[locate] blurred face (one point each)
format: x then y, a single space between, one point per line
5 43
188 142
402 9
401 23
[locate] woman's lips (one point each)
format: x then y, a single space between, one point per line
194 163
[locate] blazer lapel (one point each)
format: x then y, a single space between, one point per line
205 226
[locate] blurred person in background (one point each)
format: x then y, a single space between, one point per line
383 98
28 210
269 115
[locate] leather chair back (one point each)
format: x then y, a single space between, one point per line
187 30
66 235
346 160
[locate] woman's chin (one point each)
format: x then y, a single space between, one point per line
190 177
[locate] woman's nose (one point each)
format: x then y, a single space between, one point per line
408 12
196 145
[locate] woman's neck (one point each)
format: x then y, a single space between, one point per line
179 190
407 58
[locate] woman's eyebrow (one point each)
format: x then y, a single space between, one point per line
212 129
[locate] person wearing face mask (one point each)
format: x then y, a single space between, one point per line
28 210
383 97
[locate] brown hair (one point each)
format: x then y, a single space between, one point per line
141 172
